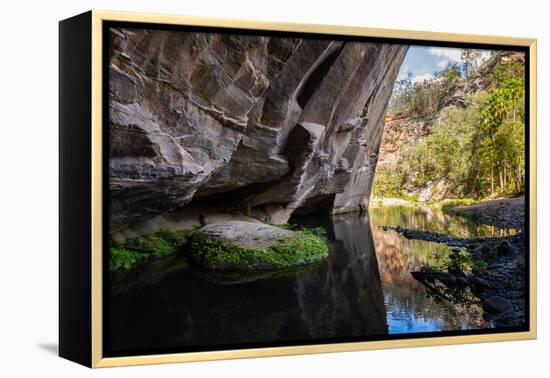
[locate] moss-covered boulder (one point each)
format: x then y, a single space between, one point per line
163 243
245 246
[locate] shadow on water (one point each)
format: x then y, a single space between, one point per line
363 289
340 297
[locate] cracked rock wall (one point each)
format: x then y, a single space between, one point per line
259 126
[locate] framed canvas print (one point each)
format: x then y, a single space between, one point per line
235 189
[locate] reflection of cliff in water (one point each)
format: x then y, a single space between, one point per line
339 298
346 291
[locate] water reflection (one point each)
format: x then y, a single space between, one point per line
435 220
363 289
339 298
409 308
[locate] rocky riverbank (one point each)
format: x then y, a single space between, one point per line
505 213
489 271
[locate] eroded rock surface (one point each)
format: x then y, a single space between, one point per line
263 126
245 234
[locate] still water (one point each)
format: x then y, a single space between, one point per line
363 290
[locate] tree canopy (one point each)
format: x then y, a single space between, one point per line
477 148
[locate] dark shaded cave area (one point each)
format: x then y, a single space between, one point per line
320 205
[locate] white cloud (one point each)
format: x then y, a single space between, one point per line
422 77
453 55
442 64
449 54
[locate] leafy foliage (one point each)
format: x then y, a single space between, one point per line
122 258
501 143
478 148
425 98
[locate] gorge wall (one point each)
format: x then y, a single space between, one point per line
217 125
403 129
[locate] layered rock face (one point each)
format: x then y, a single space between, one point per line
261 127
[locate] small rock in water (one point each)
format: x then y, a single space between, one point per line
455 270
480 251
245 246
480 282
496 304
506 248
446 278
495 265
455 250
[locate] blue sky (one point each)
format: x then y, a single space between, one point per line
422 61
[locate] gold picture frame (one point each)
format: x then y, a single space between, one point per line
96 358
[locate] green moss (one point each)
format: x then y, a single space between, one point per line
131 253
161 243
480 264
284 226
310 231
122 258
306 248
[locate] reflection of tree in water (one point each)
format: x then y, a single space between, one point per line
357 292
458 295
397 257
434 220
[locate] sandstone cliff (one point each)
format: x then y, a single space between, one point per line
247 126
404 128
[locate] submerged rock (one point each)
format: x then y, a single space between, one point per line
237 246
455 270
498 280
481 251
497 304
506 248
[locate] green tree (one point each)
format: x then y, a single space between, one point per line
471 59
502 122
502 73
478 149
446 154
